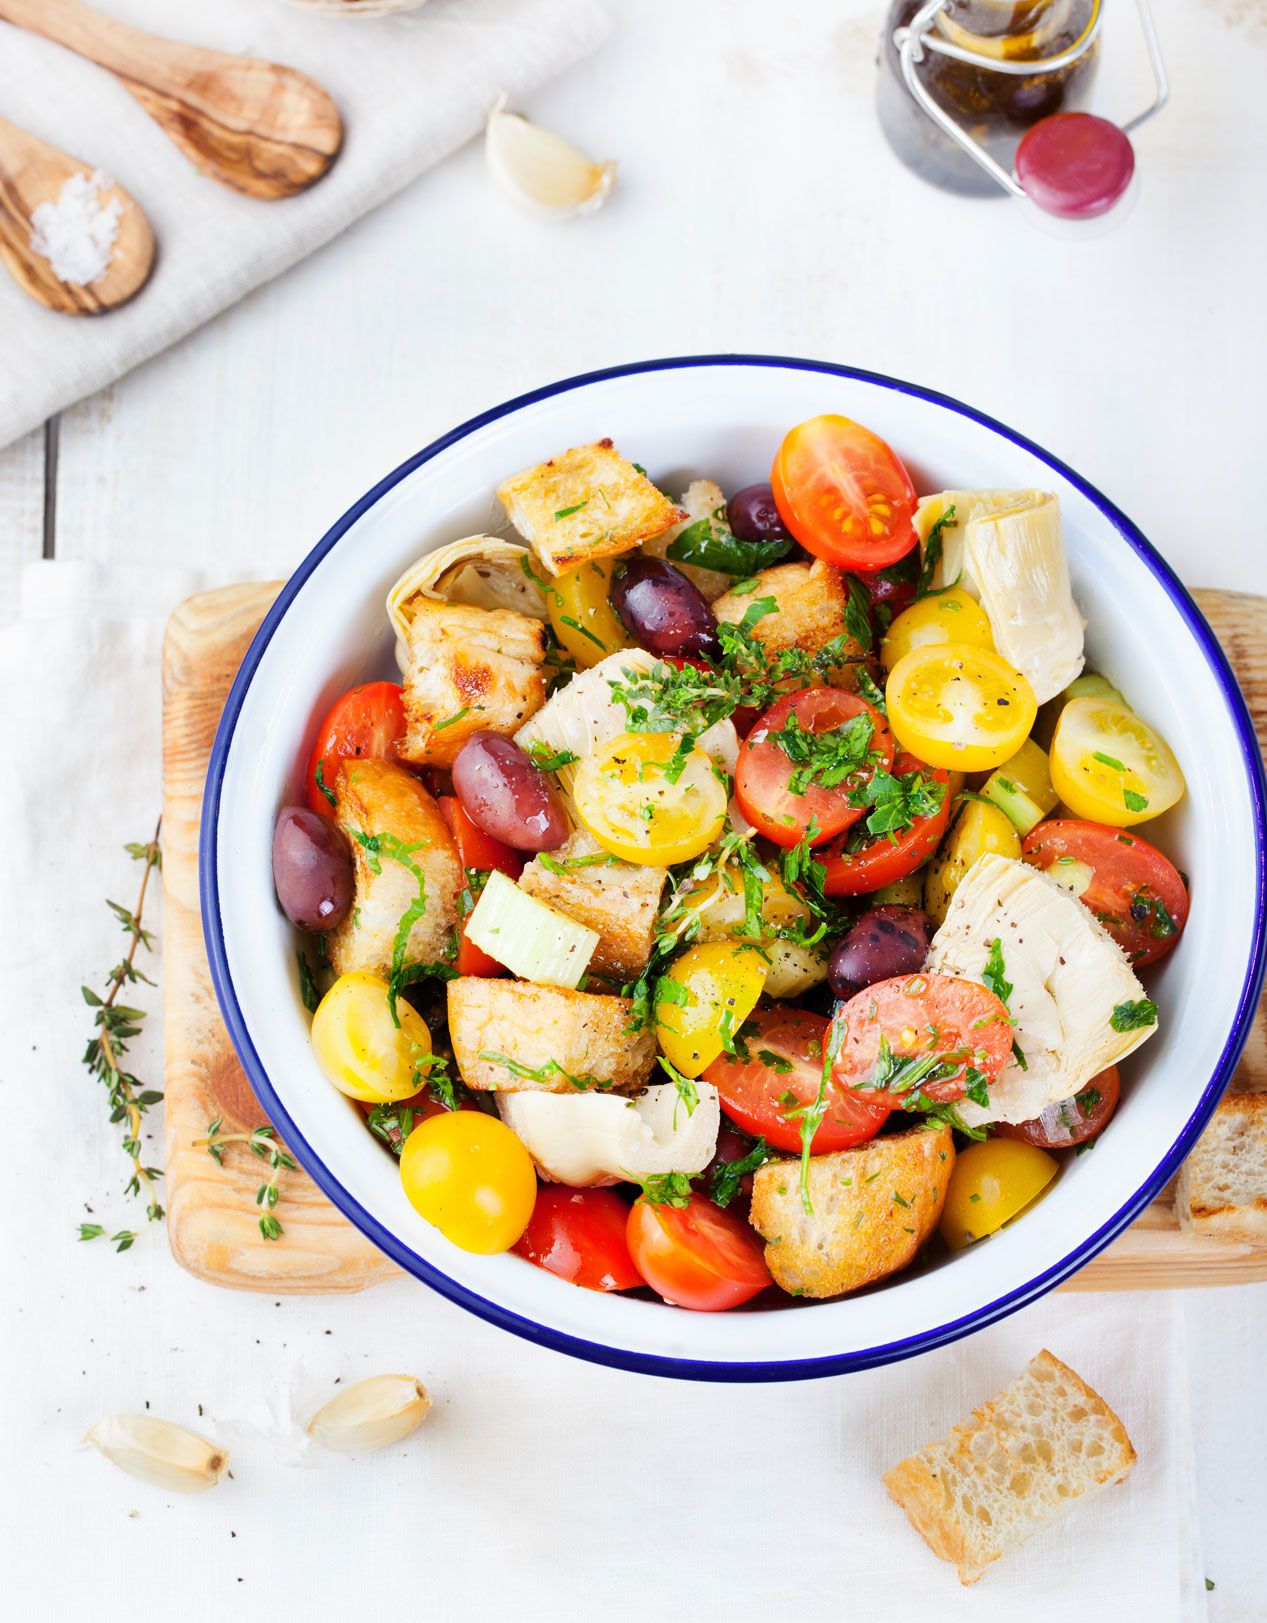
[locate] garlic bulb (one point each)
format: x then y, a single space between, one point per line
540 170
371 1414
159 1451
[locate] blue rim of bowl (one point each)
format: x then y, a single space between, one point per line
710 1369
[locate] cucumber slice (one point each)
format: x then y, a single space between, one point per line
533 941
1021 787
908 892
1091 685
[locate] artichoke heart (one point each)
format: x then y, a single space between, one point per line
480 571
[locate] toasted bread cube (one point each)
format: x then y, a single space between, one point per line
468 670
1016 1465
587 503
618 899
873 1208
810 602
376 798
570 1041
1222 1189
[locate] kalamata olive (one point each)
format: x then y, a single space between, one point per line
504 794
884 942
312 869
754 517
662 610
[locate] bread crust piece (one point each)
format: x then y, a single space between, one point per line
468 670
859 1230
379 797
1222 1189
583 1033
589 502
618 899
811 600
1014 1466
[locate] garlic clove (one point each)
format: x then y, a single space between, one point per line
371 1414
540 170
159 1451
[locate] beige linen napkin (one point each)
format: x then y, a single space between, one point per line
411 90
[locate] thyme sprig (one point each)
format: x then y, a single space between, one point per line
262 1142
115 1024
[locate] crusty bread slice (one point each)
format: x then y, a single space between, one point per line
811 600
618 899
1016 1465
1222 1188
873 1208
568 1041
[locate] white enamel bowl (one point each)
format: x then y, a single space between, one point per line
723 417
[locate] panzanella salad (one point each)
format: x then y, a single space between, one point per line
736 891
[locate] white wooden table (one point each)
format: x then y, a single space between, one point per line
759 209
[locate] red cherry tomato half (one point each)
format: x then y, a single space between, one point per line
782 1073
1134 891
369 720
767 776
844 494
697 1255
1072 1121
922 1017
888 857
481 853
579 1234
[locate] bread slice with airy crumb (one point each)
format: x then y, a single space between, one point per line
1222 1188
590 502
518 1037
873 1207
389 809
810 603
618 899
1015 1466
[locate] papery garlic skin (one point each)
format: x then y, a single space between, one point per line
540 170
371 1414
159 1451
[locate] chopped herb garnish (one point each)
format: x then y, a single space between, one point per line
319 777
687 1092
566 512
826 759
933 551
858 613
728 1175
709 543
550 760
1134 802
582 1081
1134 1016
1108 760
667 1189
307 986
449 721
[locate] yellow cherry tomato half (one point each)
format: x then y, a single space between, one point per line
992 1182
703 999
646 802
581 613
957 706
469 1175
359 1047
1110 767
933 621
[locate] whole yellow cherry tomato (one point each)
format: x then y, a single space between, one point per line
992 1182
703 999
957 706
933 621
469 1175
581 612
359 1048
1110 767
978 828
647 803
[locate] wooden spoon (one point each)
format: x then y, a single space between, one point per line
259 128
33 172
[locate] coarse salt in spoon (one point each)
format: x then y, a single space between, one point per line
70 238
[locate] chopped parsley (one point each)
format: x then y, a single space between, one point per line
582 1081
376 847
994 977
550 760
449 721
728 1175
897 803
858 613
1108 760
319 777
824 759
709 543
1134 1016
307 985
566 512
687 1092
933 552
1134 802
667 1189
870 690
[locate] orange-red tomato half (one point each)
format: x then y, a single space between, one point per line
782 1074
888 857
367 721
921 1032
580 1235
697 1255
779 789
844 494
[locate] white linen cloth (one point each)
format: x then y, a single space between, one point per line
540 1488
411 89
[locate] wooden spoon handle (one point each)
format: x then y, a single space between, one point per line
255 126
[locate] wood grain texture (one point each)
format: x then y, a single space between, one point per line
33 172
211 1212
257 127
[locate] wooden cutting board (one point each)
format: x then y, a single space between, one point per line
211 1211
